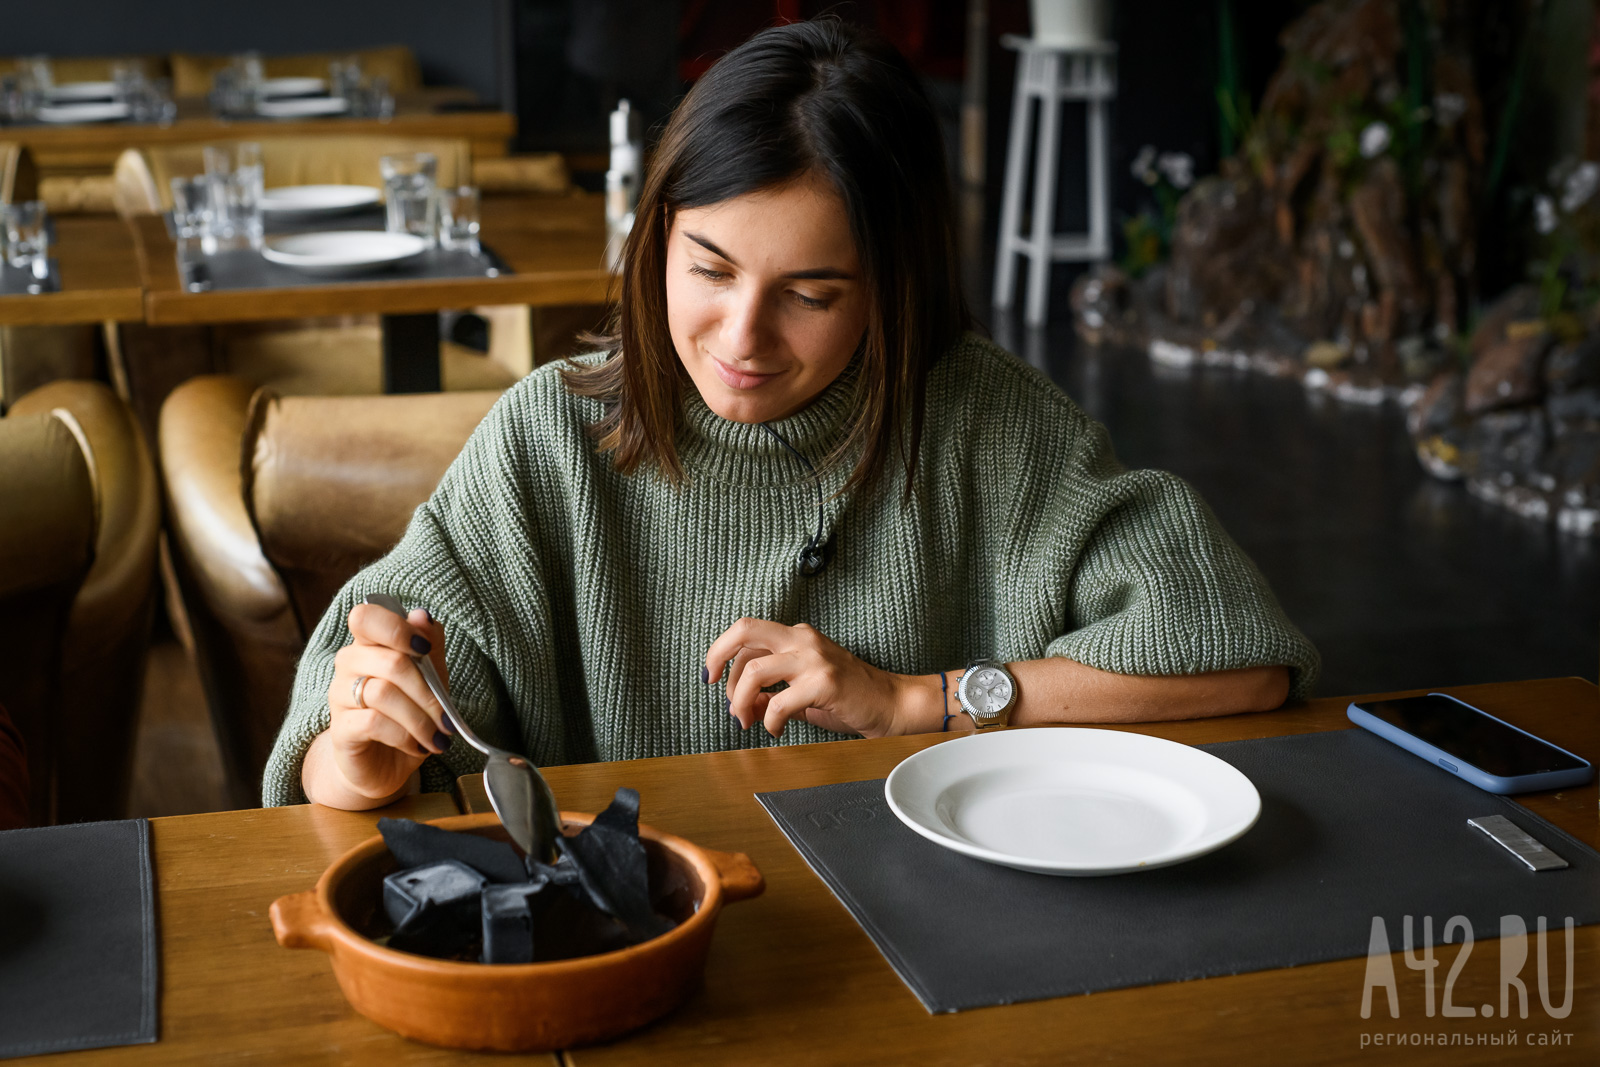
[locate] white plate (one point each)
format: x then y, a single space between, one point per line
293 86
303 108
82 91
313 201
1073 801
341 253
96 112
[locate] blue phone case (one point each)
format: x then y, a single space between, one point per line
1493 783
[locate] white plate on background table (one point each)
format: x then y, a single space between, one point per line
293 86
343 253
82 112
82 91
305 107
1072 801
316 201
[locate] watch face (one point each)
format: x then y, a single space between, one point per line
988 690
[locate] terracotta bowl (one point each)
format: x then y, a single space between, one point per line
516 1007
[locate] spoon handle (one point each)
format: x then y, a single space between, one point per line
442 695
435 683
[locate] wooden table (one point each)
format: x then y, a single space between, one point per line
99 277
791 977
92 148
554 245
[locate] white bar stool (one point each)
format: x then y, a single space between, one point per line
1051 74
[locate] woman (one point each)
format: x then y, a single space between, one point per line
792 492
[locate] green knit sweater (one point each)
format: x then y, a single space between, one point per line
578 603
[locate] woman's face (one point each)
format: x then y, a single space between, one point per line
765 298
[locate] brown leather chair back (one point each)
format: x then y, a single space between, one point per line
273 504
47 527
143 176
108 631
66 69
331 482
19 177
192 73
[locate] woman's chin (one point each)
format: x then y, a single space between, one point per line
742 407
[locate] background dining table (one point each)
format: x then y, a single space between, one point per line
93 147
792 978
554 246
99 277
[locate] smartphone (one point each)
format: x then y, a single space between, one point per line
1472 744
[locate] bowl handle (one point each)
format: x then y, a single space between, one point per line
740 878
298 922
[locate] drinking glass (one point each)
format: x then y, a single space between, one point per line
344 76
192 207
225 93
128 76
234 174
414 167
459 219
414 209
410 195
249 74
380 101
27 236
37 70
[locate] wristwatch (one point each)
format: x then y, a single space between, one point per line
988 693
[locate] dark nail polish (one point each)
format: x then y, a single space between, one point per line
421 645
440 741
705 675
428 613
447 726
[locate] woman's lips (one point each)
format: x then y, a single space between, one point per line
738 379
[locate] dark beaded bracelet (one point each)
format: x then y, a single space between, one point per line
944 691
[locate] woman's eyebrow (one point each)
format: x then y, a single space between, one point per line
709 247
817 274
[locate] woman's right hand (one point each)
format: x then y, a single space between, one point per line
381 729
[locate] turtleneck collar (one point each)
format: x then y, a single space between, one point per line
743 453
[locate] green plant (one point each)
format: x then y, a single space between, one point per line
1148 234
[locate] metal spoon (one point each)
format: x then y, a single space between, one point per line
517 791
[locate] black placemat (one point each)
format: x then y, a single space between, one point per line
245 268
18 281
79 964
1351 827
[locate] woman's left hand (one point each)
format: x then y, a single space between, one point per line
828 687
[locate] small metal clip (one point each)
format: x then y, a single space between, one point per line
1517 841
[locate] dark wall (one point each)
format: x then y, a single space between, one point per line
462 42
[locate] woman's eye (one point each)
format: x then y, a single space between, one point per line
811 302
707 272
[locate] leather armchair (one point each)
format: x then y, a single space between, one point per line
77 591
273 503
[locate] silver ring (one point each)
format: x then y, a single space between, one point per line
357 688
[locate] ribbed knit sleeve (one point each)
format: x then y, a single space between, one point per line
1153 585
1160 589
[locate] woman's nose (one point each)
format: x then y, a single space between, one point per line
744 325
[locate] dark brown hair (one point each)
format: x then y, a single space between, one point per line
820 97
